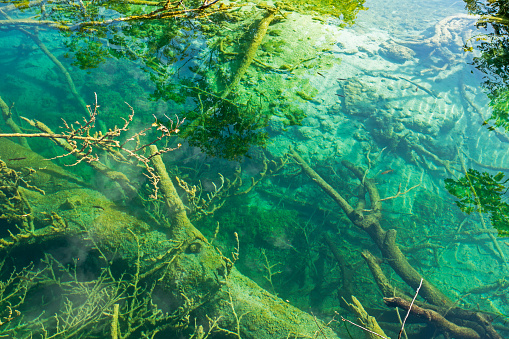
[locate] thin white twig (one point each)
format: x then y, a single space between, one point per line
408 313
364 328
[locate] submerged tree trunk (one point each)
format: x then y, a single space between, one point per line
184 273
468 324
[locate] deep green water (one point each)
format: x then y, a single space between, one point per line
393 91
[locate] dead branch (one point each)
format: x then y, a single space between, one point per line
200 206
369 323
180 223
244 65
323 184
434 318
399 193
251 51
453 312
409 309
81 140
386 242
160 13
447 164
381 280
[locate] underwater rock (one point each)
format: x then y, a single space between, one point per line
328 126
422 124
308 133
448 30
276 125
361 135
395 52
351 51
383 132
360 98
368 52
263 315
71 203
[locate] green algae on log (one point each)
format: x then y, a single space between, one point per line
251 51
182 265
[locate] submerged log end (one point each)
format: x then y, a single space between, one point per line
434 318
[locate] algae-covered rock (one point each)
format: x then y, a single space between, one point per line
261 315
395 52
361 98
308 133
48 176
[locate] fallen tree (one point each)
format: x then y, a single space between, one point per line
159 280
439 310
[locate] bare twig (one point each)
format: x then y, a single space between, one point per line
400 193
318 325
83 141
363 328
408 312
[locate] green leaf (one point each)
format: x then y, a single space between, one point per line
483 193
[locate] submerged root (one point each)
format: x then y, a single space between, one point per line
386 241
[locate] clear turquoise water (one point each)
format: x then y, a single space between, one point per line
394 92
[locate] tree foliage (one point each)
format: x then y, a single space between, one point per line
476 191
493 43
177 44
483 193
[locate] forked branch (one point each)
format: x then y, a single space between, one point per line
83 141
386 242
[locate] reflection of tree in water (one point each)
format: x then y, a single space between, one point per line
229 130
176 43
494 60
485 192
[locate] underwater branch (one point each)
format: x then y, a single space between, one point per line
386 242
84 142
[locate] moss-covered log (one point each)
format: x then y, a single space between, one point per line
188 274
